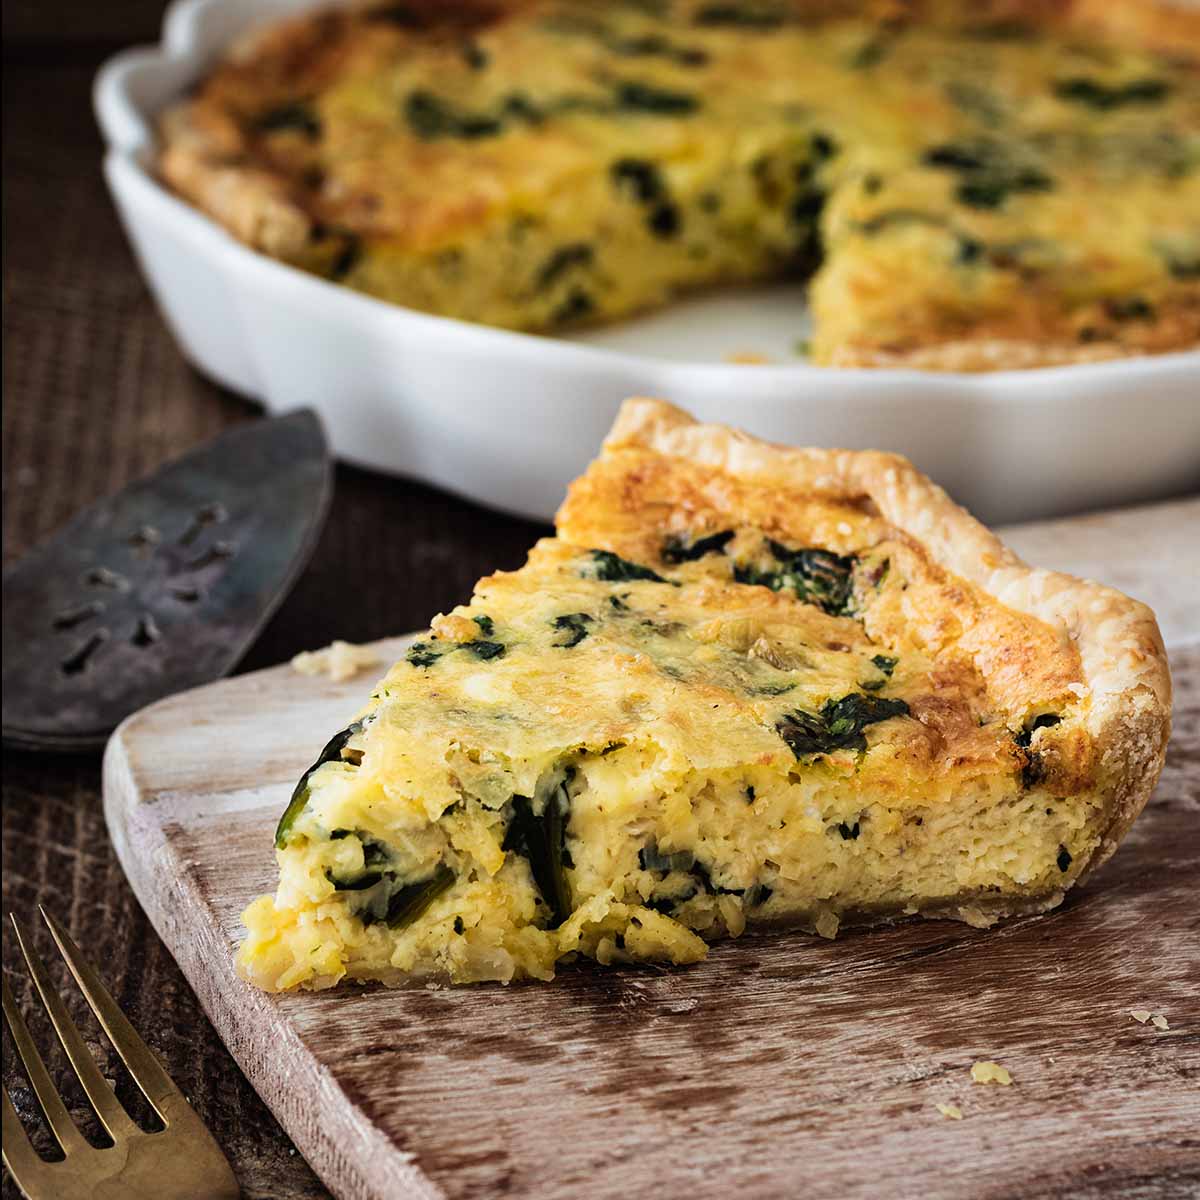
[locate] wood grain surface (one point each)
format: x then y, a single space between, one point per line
783 1065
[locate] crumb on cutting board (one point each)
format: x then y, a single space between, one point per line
1142 1015
339 660
827 925
950 1111
990 1072
749 358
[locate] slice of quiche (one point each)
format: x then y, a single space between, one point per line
742 685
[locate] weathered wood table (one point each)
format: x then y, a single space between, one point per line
95 394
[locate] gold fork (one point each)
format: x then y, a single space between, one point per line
181 1162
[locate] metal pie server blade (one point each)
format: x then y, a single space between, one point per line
163 586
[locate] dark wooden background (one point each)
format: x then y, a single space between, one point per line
95 394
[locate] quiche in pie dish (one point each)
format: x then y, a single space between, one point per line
975 186
743 685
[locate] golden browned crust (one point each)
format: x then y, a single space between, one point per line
209 154
1034 635
1039 336
1168 26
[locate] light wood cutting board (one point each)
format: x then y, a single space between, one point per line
784 1066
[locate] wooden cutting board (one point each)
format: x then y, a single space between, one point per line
783 1066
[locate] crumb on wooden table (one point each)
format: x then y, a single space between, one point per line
950 1111
990 1072
339 660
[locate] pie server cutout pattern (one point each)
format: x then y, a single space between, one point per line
163 586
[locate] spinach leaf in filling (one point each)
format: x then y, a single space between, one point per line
404 16
430 116
1104 97
347 257
1043 721
564 259
818 577
1181 256
297 117
1134 308
643 181
1033 769
654 45
760 18
475 56
395 902
408 902
838 726
485 650
375 861
541 841
577 306
632 95
987 171
421 654
640 177
333 752
869 53
650 858
885 664
677 550
968 248
612 568
575 628
425 654
772 689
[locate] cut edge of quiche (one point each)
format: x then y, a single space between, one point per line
744 685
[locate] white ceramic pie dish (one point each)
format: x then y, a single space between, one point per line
507 418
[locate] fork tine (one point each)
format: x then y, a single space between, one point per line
55 1112
114 1118
137 1056
19 1155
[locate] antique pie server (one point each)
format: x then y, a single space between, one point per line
161 587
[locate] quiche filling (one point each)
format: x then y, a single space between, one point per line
708 703
968 193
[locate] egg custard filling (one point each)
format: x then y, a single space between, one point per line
968 186
742 686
